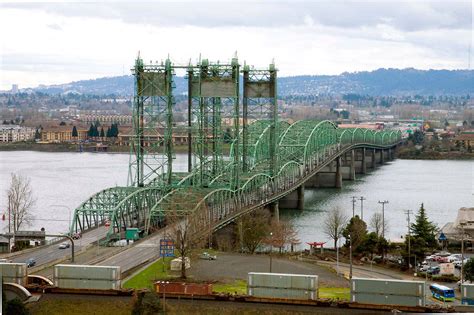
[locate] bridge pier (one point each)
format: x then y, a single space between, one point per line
382 157
275 211
294 200
348 167
374 161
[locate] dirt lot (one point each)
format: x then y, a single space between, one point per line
232 266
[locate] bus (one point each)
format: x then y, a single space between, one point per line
442 293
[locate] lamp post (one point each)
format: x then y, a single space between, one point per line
271 249
350 256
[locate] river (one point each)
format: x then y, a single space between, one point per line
62 181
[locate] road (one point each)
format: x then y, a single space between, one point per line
50 253
136 255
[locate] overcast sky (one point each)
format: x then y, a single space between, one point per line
62 41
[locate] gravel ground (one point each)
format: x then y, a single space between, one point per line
232 266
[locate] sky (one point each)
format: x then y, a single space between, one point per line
53 42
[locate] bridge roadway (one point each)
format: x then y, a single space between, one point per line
48 254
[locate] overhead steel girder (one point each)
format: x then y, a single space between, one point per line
94 211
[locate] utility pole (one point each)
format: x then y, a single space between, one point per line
362 207
383 216
408 212
9 223
354 200
462 224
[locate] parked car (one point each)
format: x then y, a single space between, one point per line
30 262
457 264
443 254
424 268
454 257
443 260
430 257
433 270
63 245
207 256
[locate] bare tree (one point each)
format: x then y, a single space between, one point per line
182 225
20 201
377 224
252 229
334 224
282 233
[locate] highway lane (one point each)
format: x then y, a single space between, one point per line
49 253
136 255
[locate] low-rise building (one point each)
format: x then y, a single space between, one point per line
465 139
464 221
57 134
13 133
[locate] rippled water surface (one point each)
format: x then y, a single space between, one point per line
62 181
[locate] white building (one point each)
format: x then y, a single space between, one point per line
464 220
11 133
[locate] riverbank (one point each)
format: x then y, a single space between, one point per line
71 147
416 154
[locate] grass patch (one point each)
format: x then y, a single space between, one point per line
145 278
236 287
335 293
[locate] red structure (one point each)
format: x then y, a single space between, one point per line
314 245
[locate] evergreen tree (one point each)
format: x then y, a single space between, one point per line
107 133
469 270
357 229
423 236
90 132
102 133
37 134
74 132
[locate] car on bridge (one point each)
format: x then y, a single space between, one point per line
63 245
76 236
30 262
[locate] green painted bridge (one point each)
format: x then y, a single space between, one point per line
270 161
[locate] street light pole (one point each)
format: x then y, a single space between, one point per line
362 207
350 256
271 249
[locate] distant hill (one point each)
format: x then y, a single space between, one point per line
379 82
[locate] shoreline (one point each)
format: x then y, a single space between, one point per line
115 149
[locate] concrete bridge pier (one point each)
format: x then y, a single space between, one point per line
374 161
348 167
275 211
360 161
294 200
382 157
338 182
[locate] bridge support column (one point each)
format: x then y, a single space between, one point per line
275 211
374 163
364 163
300 192
352 174
382 157
338 181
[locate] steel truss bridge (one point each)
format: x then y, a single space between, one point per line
267 161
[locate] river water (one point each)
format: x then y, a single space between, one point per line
62 181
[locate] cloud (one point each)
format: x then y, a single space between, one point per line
403 15
61 42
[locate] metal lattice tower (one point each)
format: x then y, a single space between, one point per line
151 154
214 99
260 109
